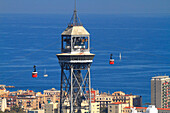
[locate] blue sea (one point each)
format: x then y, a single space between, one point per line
34 39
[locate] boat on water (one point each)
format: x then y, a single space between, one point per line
120 56
45 74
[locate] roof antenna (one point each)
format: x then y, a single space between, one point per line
75 21
75 6
75 15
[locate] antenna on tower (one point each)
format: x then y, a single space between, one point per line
75 5
75 21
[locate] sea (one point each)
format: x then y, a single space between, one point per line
35 39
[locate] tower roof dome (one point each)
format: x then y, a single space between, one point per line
76 30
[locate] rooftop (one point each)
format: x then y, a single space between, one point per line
76 54
160 77
75 30
119 103
146 108
52 89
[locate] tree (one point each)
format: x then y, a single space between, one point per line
14 109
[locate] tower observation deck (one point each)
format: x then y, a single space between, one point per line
75 60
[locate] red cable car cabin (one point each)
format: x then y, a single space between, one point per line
112 61
34 73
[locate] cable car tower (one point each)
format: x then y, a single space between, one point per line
75 61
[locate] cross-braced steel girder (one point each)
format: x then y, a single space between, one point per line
75 83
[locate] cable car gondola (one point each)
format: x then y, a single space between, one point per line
111 59
34 73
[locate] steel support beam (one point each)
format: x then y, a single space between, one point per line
75 83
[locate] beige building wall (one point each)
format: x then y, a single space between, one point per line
52 91
103 99
120 96
95 107
131 97
3 91
117 107
28 103
118 93
51 108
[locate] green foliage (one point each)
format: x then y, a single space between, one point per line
103 109
14 109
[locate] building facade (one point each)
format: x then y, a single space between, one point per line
117 107
11 101
51 108
52 91
160 91
36 111
122 108
27 102
132 100
103 99
3 104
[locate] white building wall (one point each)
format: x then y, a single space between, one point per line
3 104
134 110
151 109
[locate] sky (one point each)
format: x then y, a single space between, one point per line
85 6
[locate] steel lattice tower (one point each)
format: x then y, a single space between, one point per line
75 61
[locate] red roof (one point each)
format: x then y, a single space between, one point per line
136 107
146 108
163 108
128 95
119 103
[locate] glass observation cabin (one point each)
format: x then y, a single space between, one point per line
75 39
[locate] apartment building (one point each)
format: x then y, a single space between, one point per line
160 91
95 107
11 101
103 99
27 102
132 100
52 91
149 109
117 107
51 108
